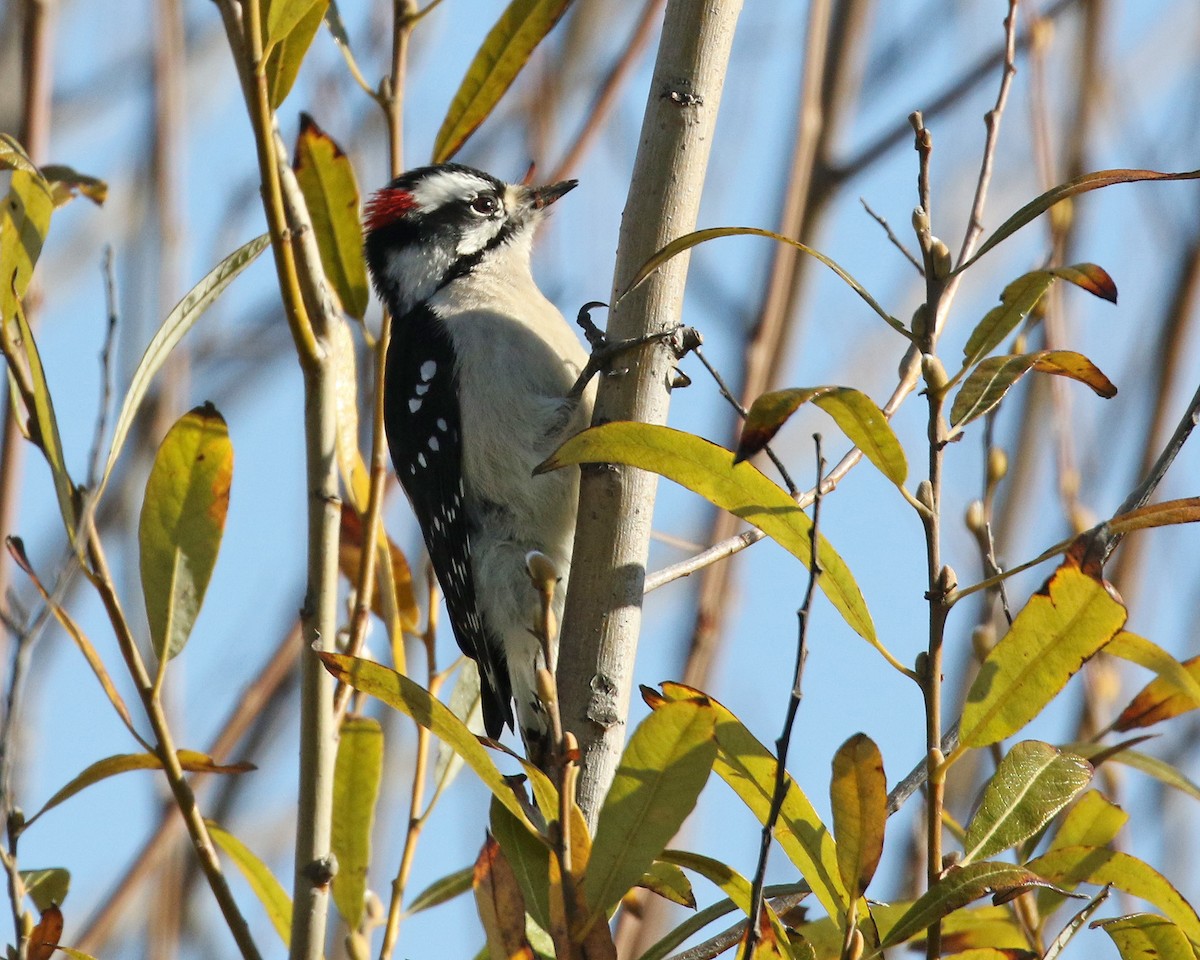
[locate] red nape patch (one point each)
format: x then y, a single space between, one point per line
386 206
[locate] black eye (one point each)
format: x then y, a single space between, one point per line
484 205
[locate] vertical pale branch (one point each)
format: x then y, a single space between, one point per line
603 614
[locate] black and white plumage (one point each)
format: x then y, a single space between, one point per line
478 391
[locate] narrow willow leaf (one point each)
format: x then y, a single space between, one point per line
44 937
506 49
1140 936
178 322
995 376
960 886
326 179
466 703
350 561
1064 624
266 887
17 549
190 760
1092 822
858 799
46 887
75 954
1163 514
182 522
1159 700
749 768
529 857
411 699
1072 188
1031 784
44 426
66 183
356 776
288 49
24 223
1074 925
852 410
283 16
1175 677
662 771
669 882
730 882
355 478
13 155
500 904
443 890
708 470
1022 295
1123 753
1101 866
689 240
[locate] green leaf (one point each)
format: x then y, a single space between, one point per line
411 699
960 886
24 223
1129 646
178 322
1093 822
1161 699
689 240
262 881
529 857
852 410
730 882
662 771
1102 866
858 799
1142 936
1031 784
1159 769
749 769
183 519
1064 624
1072 188
505 50
1022 295
708 470
46 887
190 760
995 376
356 776
326 179
670 883
443 890
287 44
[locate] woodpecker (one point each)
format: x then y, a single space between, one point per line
479 388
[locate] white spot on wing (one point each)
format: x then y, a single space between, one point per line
415 404
421 389
433 443
441 424
428 369
421 459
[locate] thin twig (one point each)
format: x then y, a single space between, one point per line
785 738
895 240
106 370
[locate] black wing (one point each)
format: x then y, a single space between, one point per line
424 431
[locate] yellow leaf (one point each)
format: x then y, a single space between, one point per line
356 776
858 799
266 887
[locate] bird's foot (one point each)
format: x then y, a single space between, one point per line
681 339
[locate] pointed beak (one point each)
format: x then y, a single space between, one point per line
541 197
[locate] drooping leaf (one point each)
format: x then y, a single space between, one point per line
266 887
858 800
689 240
960 886
350 560
1174 675
1160 770
506 49
1031 784
1022 295
995 376
411 699
356 776
65 183
466 703
1161 699
852 410
288 40
16 549
182 523
730 882
528 856
1092 822
1101 866
749 768
708 470
443 890
190 760
501 907
44 937
1064 624
178 322
1146 936
670 883
326 178
24 223
1072 188
46 887
665 765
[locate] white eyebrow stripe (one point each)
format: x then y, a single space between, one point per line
445 186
